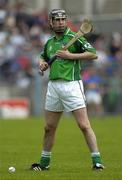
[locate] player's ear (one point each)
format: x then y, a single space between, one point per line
50 23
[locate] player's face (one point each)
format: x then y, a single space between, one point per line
59 24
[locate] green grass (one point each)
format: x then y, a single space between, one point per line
20 146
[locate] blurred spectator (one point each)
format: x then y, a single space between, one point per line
101 52
93 85
3 34
115 43
17 39
111 96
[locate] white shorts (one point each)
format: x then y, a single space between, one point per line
65 95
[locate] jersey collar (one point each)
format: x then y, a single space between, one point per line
67 30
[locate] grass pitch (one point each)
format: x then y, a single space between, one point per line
20 146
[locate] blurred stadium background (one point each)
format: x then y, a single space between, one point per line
24 31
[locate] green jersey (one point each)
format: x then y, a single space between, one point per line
65 69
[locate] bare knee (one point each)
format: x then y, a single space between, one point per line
49 129
84 126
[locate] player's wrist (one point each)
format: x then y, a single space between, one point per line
74 56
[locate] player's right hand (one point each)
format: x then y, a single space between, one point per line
43 66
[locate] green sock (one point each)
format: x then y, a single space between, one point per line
96 158
45 158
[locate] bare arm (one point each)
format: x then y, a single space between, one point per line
82 56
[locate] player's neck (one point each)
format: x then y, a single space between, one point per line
58 35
